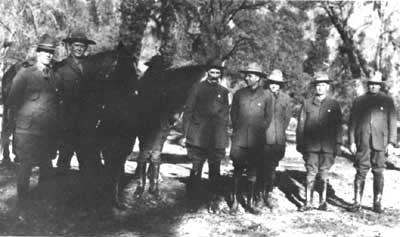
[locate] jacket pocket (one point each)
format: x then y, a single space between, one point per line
23 122
33 94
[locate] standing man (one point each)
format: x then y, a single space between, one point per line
372 135
33 103
77 122
319 137
251 115
205 122
275 136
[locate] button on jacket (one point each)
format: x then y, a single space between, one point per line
319 126
251 114
281 114
206 116
33 99
373 117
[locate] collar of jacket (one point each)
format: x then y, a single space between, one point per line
373 94
73 64
318 102
276 95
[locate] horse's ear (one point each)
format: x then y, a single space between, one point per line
120 46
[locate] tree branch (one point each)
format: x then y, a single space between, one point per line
235 47
5 26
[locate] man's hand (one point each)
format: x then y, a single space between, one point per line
353 148
390 149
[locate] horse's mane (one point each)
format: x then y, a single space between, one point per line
101 55
173 77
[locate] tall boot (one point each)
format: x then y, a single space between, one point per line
213 176
142 179
236 181
45 172
153 189
251 189
269 185
6 155
260 187
23 180
323 206
194 184
309 196
358 194
378 190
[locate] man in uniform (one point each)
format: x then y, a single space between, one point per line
275 136
79 117
319 137
33 103
7 125
205 122
251 115
372 134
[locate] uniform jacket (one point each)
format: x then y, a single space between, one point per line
77 93
206 116
373 117
319 126
281 114
34 102
251 114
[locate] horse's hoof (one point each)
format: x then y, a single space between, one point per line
139 192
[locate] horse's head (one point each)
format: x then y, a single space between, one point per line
116 65
158 62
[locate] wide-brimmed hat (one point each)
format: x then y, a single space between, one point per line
215 63
254 68
276 76
46 43
376 78
78 36
320 77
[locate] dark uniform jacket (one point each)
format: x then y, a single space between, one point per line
34 102
373 117
281 114
77 94
206 116
251 114
319 126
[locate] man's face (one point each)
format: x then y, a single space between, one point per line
44 57
214 74
322 88
78 49
252 79
274 87
374 88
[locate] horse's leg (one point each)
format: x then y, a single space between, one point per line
141 165
115 154
5 136
160 135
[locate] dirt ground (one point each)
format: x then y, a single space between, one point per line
58 208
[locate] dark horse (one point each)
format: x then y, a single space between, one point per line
162 94
115 84
144 108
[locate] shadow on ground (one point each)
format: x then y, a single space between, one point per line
60 206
